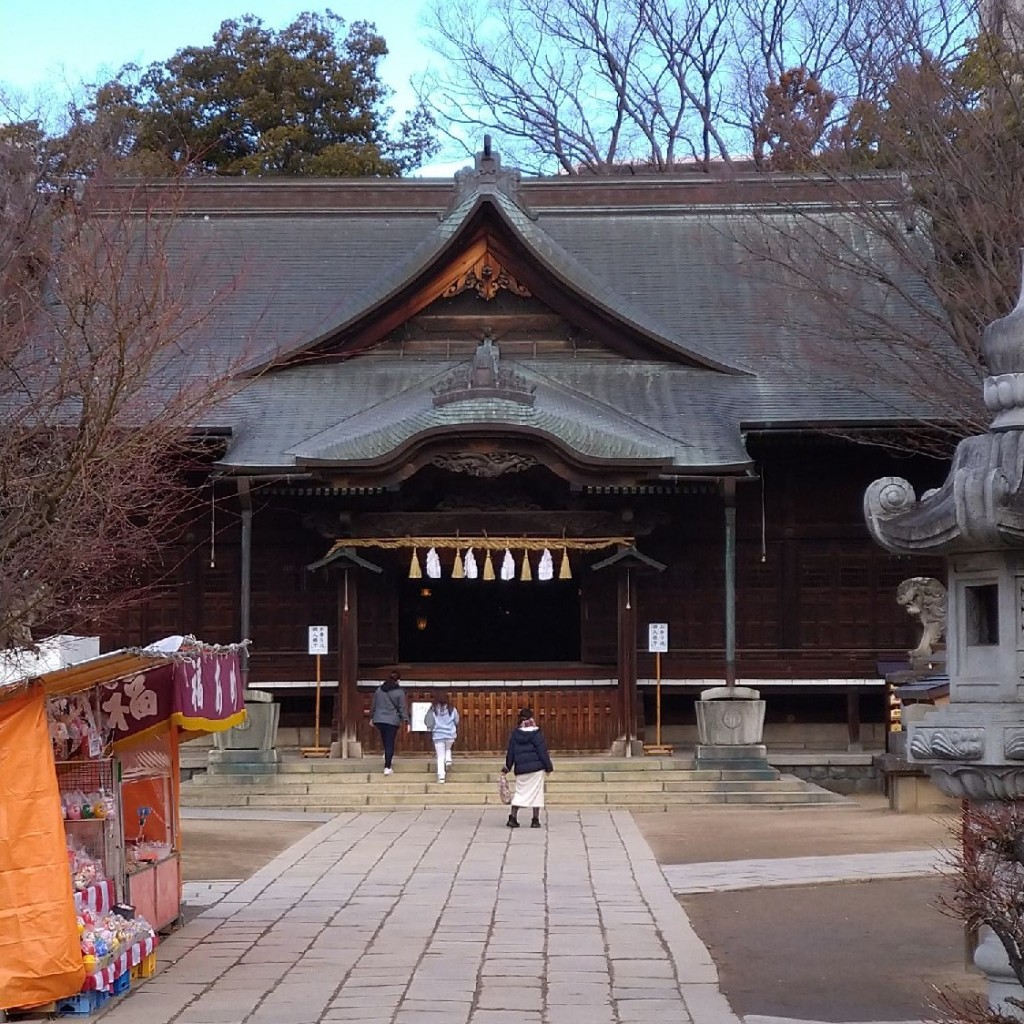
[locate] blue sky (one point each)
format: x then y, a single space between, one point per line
49 47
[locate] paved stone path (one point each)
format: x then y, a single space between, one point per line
200 895
442 917
722 876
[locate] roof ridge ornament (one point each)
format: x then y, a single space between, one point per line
487 174
483 377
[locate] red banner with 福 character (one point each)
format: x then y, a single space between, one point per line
197 692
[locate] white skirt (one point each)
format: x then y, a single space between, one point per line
529 790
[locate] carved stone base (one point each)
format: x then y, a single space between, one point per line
749 758
241 762
721 722
979 782
352 748
990 958
634 748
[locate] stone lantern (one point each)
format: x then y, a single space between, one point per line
973 747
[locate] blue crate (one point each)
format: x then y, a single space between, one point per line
122 983
82 1004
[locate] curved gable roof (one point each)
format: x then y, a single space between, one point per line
414 283
572 421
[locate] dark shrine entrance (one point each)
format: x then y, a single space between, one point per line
445 620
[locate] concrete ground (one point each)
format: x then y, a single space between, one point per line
827 948
220 845
768 894
866 825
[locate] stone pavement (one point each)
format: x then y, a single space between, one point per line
725 876
442 916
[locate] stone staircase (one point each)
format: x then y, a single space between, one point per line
647 784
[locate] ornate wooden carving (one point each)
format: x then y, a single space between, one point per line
484 377
411 524
486 277
484 464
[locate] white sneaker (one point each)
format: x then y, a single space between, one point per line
440 780
447 764
387 771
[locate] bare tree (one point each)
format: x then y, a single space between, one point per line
580 86
986 883
930 180
906 116
852 48
100 396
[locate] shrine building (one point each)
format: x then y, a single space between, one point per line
493 429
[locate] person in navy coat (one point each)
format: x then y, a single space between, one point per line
528 756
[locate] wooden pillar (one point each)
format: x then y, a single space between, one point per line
245 583
789 607
627 656
729 494
853 720
347 710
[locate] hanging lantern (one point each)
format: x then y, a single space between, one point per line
526 574
546 566
472 572
433 564
508 566
458 572
488 567
415 572
564 572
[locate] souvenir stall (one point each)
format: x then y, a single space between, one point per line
148 716
113 725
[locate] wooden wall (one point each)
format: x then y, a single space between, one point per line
576 719
815 594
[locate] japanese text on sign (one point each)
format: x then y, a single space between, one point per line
317 639
657 637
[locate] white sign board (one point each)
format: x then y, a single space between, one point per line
417 714
317 639
657 637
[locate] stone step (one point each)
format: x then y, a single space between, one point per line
403 765
561 790
324 785
578 781
319 780
453 792
413 801
435 796
365 773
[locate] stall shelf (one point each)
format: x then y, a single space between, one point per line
151 832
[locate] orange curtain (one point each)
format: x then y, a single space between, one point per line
40 956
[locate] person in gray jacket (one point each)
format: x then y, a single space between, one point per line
388 712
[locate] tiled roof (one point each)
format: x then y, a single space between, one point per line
590 428
759 349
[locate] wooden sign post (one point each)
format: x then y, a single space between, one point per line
657 644
317 647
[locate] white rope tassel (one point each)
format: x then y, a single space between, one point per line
508 566
433 564
546 566
469 565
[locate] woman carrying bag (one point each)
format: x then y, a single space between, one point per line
528 755
443 722
388 712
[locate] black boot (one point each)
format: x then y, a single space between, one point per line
535 823
513 820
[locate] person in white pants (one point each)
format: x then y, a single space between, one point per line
443 722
